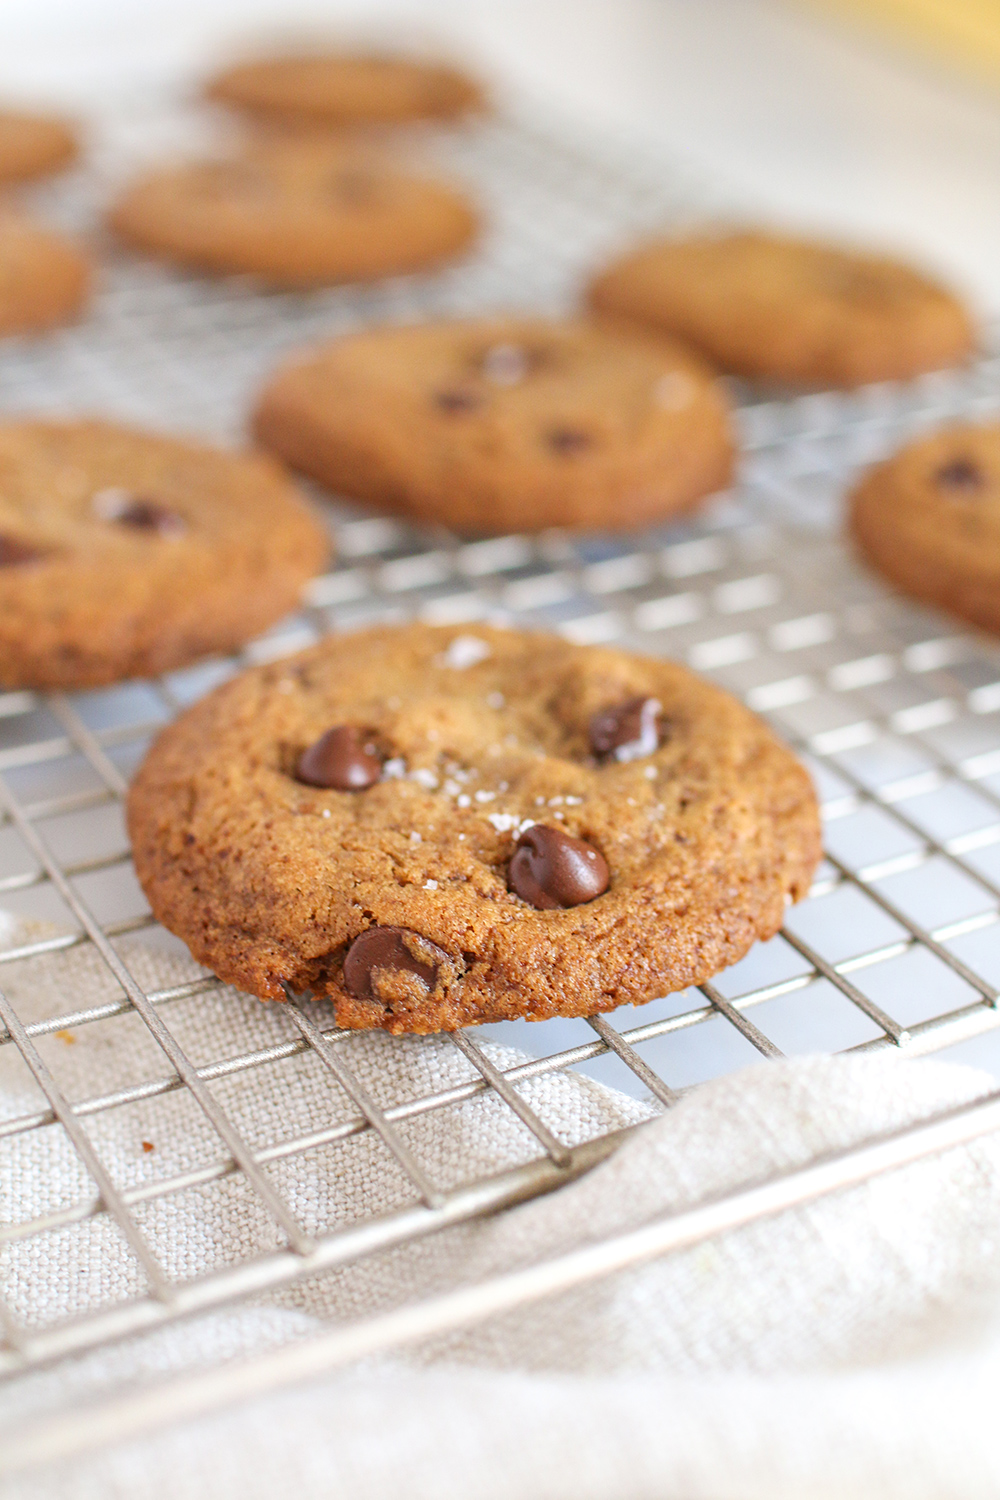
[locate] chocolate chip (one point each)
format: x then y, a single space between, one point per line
389 950
122 508
960 474
339 759
456 401
627 732
550 868
567 440
146 515
15 554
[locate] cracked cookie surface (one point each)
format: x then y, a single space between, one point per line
44 278
342 88
33 145
779 308
929 519
504 424
296 214
531 847
125 553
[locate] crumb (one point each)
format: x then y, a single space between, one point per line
148 1146
67 1037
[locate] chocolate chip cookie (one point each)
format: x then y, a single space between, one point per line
123 554
343 88
929 519
44 279
33 145
436 829
504 424
779 308
296 214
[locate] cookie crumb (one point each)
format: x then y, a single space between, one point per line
147 1146
67 1037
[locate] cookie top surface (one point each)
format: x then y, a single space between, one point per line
296 213
124 553
531 828
345 88
504 424
788 309
929 517
44 279
32 145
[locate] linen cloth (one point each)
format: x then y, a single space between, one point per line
850 1347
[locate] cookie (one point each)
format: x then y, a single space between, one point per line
297 214
341 88
504 424
779 308
33 145
437 829
929 519
123 554
44 279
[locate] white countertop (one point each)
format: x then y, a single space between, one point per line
804 121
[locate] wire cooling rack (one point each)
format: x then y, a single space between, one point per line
896 710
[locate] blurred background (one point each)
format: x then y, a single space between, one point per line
872 118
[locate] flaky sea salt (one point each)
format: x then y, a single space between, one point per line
464 651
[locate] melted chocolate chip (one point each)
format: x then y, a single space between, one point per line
339 759
146 515
122 508
456 401
385 949
627 732
16 554
960 474
567 440
550 868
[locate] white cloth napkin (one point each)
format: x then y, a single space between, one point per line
849 1348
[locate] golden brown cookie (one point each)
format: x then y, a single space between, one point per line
929 519
44 279
775 307
123 554
32 145
437 829
504 424
342 88
298 214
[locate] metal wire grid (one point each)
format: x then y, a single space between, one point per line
897 711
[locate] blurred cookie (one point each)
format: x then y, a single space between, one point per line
504 424
44 279
437 829
929 519
775 307
33 145
297 214
124 554
343 88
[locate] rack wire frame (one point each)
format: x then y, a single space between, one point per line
896 709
